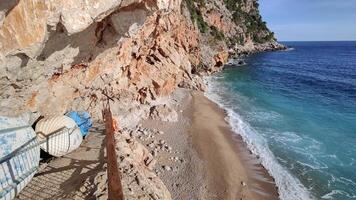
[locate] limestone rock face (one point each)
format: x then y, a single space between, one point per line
25 27
229 26
216 14
56 56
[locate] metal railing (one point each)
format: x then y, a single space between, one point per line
17 167
20 159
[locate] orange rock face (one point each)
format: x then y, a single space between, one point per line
216 19
221 58
148 61
69 51
24 26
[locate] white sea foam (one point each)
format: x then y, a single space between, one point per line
289 187
331 194
289 49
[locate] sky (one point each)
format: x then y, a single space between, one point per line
310 20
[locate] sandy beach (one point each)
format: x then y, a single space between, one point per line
195 157
216 164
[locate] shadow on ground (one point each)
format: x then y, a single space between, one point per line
64 177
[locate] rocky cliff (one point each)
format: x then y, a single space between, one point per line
59 55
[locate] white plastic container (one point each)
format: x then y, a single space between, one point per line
19 154
58 135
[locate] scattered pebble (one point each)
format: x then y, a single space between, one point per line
151 145
167 168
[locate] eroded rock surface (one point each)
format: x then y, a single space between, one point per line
138 50
163 113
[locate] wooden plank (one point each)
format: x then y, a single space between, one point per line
114 179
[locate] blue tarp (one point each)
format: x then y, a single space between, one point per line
82 119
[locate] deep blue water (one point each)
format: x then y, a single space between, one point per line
297 110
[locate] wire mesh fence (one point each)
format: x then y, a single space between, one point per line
19 166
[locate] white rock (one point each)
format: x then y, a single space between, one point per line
167 168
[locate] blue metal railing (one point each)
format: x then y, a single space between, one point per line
18 167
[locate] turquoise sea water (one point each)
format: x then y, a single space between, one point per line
296 109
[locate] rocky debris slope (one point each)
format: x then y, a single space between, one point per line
164 113
136 163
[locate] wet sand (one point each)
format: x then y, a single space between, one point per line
232 172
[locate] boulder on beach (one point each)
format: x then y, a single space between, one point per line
163 113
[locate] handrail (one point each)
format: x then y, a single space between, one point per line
114 180
16 155
25 147
19 150
13 129
115 191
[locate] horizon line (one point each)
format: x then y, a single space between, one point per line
316 40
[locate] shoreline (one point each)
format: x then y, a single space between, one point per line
216 163
233 171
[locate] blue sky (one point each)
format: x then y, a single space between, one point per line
310 20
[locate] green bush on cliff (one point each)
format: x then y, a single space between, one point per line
197 18
252 20
263 39
195 14
233 5
216 33
239 39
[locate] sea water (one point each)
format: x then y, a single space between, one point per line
296 110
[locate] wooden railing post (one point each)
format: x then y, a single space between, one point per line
114 179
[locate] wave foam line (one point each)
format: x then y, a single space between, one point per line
289 187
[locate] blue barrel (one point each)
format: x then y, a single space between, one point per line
19 156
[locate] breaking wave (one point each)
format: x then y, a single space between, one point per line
289 187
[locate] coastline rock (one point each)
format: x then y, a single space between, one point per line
195 83
163 113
